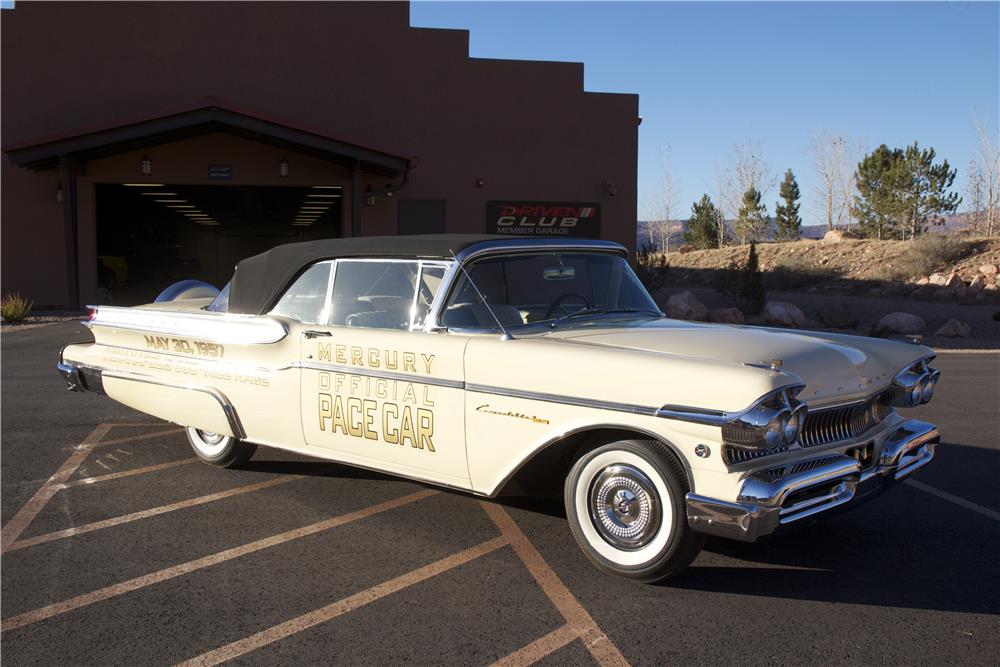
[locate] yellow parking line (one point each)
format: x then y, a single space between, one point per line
124 587
341 607
86 481
27 514
603 650
133 438
145 514
538 649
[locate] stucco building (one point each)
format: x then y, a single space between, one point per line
146 142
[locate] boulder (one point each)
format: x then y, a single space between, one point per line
954 329
989 269
686 306
978 283
727 316
923 281
784 314
838 316
900 323
834 236
954 281
938 279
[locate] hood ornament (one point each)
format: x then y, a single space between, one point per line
776 364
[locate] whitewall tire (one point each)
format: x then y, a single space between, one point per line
625 505
219 450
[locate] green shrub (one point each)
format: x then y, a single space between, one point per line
752 284
932 252
651 268
14 307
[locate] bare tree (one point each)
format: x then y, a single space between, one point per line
985 170
747 170
975 192
835 183
662 204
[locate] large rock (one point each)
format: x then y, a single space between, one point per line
938 279
727 316
834 236
900 323
955 329
838 316
978 283
784 314
989 269
686 306
954 281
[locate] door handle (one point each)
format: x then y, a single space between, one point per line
314 333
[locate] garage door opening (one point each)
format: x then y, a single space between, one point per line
152 235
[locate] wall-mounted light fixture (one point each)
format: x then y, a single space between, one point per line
283 168
59 193
146 166
480 181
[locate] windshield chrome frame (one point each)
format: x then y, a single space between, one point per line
506 248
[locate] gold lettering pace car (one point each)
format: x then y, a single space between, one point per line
522 366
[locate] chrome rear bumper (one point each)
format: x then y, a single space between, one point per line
785 494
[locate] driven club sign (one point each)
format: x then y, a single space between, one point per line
533 218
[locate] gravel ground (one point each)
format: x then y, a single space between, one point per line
869 310
40 319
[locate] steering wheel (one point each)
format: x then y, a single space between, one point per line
558 303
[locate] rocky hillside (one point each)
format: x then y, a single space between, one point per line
932 267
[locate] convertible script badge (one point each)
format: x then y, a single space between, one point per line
510 413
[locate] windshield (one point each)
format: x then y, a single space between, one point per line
550 287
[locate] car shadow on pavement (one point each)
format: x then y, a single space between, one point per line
313 468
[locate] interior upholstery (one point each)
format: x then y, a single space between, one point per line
476 316
381 319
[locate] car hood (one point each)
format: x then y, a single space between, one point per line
833 367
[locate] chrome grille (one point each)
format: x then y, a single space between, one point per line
733 455
838 424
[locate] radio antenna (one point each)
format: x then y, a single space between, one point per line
505 335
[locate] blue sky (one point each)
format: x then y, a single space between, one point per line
713 73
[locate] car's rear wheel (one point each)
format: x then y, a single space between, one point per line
625 505
218 449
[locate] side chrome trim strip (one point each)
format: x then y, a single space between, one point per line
564 400
385 375
227 408
715 417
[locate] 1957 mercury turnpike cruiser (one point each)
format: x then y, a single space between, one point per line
487 363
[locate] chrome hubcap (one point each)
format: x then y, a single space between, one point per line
624 507
210 437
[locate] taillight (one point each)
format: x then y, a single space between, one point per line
93 315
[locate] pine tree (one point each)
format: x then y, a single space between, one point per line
752 221
787 222
703 225
900 192
752 283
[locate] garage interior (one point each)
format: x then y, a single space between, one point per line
150 235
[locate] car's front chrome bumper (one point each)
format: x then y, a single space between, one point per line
772 499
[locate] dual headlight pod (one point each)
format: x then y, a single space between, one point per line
915 385
775 421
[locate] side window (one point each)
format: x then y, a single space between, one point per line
430 280
305 299
373 294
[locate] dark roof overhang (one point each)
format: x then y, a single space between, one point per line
84 145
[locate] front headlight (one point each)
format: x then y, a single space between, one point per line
915 384
772 422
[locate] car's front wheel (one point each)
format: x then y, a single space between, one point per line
219 450
625 505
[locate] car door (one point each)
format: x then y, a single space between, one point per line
377 390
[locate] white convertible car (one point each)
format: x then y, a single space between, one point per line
497 365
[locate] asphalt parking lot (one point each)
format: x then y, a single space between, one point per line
118 548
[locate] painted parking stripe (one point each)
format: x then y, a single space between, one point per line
145 514
961 502
40 499
108 592
341 607
85 481
538 649
133 438
578 619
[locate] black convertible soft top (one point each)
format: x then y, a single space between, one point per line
259 280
